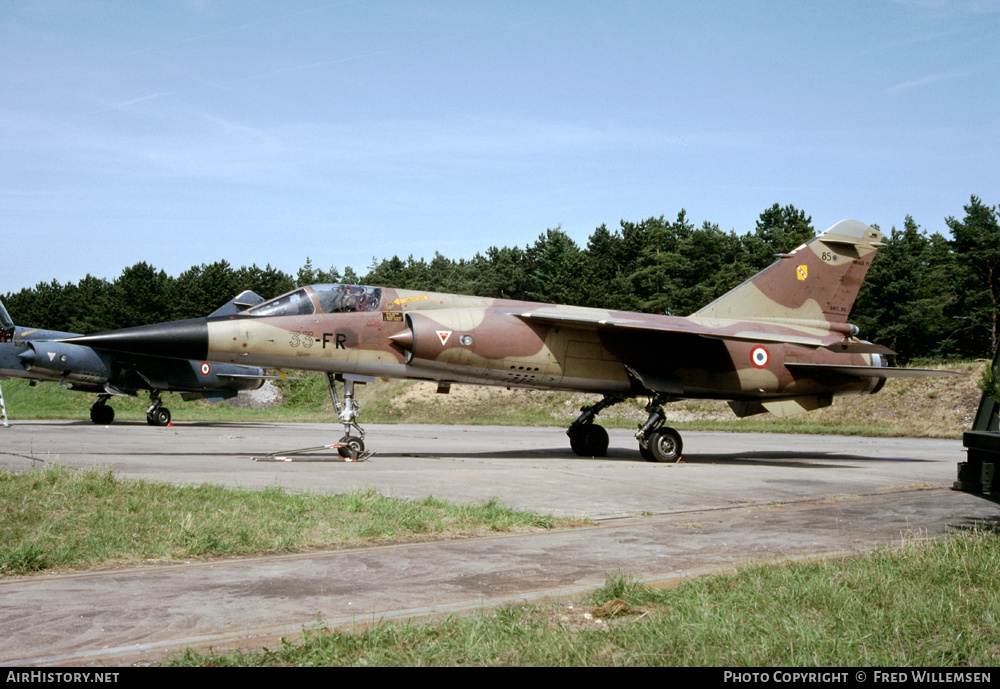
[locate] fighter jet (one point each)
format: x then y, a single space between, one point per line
779 343
38 355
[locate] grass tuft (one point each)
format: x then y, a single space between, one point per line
926 604
60 518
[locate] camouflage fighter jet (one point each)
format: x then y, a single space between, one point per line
37 354
779 342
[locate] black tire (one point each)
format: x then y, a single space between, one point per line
590 441
644 450
102 414
351 446
160 417
663 445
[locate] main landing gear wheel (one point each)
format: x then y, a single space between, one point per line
586 438
658 443
100 412
589 440
662 445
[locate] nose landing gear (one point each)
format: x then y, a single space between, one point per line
351 447
352 444
157 414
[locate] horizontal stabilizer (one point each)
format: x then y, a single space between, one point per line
871 371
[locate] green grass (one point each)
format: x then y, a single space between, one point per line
59 518
927 604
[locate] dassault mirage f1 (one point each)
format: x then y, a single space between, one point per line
38 355
780 343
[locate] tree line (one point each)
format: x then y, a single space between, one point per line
926 296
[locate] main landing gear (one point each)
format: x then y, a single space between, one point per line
587 438
102 413
657 443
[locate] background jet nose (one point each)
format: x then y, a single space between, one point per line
176 340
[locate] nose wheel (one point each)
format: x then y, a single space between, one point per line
351 447
157 414
352 444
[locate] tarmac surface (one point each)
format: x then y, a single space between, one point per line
736 498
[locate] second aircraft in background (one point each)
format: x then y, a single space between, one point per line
37 355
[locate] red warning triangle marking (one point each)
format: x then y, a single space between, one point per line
443 335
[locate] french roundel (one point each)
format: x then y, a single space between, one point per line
760 357
205 369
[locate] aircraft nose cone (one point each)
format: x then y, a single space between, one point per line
176 340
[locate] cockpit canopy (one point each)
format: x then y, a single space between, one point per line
6 325
5 320
321 299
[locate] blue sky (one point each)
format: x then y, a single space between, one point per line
181 133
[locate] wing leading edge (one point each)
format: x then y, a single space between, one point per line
816 334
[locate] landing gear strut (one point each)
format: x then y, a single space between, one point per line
352 445
157 414
658 443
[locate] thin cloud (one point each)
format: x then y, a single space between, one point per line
925 81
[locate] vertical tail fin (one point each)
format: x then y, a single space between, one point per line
819 281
